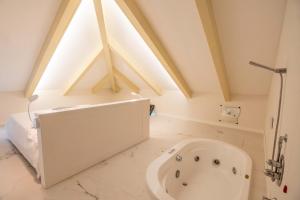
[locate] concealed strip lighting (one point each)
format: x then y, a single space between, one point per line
74 49
62 61
130 38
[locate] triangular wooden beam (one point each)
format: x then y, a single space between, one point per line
205 11
63 17
100 84
81 74
141 24
119 75
131 64
107 53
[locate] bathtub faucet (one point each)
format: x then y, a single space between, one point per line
270 173
277 166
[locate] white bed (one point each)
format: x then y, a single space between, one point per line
20 132
70 140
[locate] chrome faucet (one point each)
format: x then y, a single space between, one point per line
277 166
270 173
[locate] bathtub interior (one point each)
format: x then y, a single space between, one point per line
210 169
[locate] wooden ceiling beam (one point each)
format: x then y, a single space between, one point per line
100 84
133 66
106 49
62 19
141 24
81 73
206 14
119 75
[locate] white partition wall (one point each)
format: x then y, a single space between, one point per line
73 140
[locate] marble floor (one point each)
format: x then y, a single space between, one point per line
120 178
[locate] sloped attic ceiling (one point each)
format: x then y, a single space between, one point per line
80 43
249 30
176 23
121 34
23 29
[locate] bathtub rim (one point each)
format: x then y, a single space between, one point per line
152 172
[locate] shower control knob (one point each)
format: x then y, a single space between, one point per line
274 163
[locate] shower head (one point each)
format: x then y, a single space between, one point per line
277 70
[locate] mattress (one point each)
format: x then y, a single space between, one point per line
20 132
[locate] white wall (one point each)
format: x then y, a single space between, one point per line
288 56
202 107
249 30
24 26
205 108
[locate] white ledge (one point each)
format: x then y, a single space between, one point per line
212 123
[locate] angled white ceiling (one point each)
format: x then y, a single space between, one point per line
248 30
79 45
178 25
120 30
23 28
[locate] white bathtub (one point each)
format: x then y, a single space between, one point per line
199 174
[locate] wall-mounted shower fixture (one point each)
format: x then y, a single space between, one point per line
277 174
276 70
277 166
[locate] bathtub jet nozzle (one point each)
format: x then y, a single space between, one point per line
178 158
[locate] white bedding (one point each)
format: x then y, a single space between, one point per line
20 132
24 137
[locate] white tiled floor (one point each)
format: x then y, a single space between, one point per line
123 176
